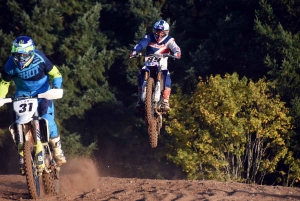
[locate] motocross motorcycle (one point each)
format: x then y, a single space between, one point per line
30 131
152 95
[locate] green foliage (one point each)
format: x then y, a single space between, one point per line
219 39
229 128
277 30
73 147
41 21
213 134
6 40
282 46
87 60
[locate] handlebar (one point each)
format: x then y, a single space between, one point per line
50 95
154 55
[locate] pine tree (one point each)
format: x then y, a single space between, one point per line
87 61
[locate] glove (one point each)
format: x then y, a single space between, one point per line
177 55
133 54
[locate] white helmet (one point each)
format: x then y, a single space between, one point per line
161 29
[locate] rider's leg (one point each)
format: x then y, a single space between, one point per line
58 153
167 90
46 110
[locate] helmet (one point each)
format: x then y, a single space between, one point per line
23 51
161 29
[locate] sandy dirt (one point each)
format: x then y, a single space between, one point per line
80 180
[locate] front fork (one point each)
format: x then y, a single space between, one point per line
144 86
156 95
39 154
17 131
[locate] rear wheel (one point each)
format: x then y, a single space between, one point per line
158 122
149 113
32 178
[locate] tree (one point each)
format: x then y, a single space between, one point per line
87 61
230 128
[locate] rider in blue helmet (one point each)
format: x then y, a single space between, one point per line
159 42
31 71
23 51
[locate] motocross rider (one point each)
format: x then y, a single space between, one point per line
31 70
158 42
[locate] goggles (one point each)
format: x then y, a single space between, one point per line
21 57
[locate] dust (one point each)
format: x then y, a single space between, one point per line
79 174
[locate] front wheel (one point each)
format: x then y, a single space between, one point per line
49 183
32 177
150 114
50 177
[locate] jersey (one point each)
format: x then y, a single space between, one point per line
165 46
31 80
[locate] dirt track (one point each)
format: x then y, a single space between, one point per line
84 183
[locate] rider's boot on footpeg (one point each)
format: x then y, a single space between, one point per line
59 156
165 103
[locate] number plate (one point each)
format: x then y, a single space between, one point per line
151 63
25 107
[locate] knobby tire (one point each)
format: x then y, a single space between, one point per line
149 113
31 173
48 181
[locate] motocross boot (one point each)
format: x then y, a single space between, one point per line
58 154
21 159
165 103
139 105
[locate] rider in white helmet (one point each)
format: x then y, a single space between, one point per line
158 42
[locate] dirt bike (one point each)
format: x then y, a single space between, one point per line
152 95
31 132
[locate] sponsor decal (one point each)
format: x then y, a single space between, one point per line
156 45
28 73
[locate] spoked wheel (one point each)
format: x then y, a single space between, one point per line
32 178
153 135
48 178
149 114
49 183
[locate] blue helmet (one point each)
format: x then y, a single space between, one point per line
161 29
23 51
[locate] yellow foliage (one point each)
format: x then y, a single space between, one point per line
224 121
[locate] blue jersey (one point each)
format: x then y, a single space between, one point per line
31 80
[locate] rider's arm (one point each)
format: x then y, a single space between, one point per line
4 84
173 46
142 44
56 77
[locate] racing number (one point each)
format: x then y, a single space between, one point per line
153 59
24 107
